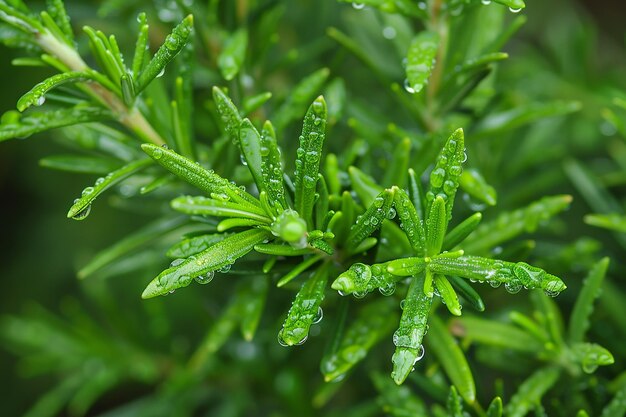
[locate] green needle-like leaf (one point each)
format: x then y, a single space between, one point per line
364 185
374 322
130 243
497 334
452 359
211 207
354 280
592 286
37 95
251 149
495 408
457 235
193 245
473 183
215 257
408 337
253 297
445 176
436 226
308 158
465 290
13 125
271 166
611 221
421 59
298 269
231 58
531 391
305 309
410 221
406 267
300 97
513 275
447 294
141 46
82 206
511 224
196 175
81 164
380 210
591 356
173 44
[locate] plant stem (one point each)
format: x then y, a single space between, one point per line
131 118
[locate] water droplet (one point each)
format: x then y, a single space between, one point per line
225 268
176 262
243 160
486 2
421 5
281 341
359 294
449 187
358 6
464 157
319 316
514 10
402 305
157 154
318 107
81 215
87 191
513 287
40 100
206 278
436 177
389 32
99 181
408 87
388 290
391 213
420 354
160 74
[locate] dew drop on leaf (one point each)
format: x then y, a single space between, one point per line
82 215
206 278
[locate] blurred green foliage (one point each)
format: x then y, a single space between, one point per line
544 115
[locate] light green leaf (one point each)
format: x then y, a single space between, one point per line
410 221
193 245
436 226
299 98
421 59
81 164
231 58
473 183
308 158
408 337
251 149
196 175
531 391
611 221
130 243
447 294
217 256
173 44
452 359
374 322
592 287
591 356
493 333
509 225
445 176
380 210
82 206
212 207
364 185
305 309
457 235
13 125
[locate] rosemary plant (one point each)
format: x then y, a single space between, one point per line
317 207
